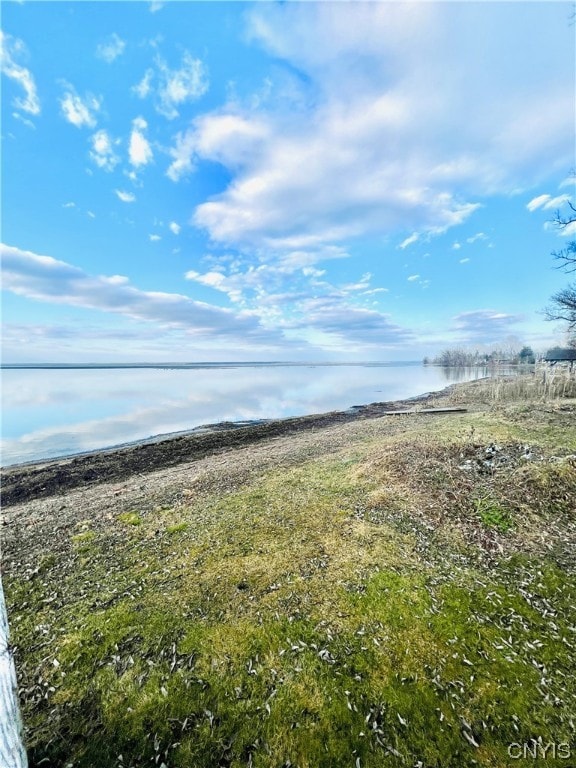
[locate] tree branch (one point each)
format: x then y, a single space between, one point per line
563 221
567 256
564 306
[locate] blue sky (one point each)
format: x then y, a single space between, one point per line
282 181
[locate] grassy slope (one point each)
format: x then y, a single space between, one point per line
395 602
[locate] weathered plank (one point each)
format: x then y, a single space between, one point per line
12 752
425 410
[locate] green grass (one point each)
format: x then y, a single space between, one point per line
492 514
177 527
377 607
130 518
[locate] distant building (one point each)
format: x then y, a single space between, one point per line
564 356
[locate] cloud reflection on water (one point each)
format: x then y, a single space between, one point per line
50 413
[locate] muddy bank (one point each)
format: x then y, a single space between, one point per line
47 478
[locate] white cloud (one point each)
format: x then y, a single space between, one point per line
174 228
556 202
255 285
476 237
464 261
569 181
409 240
12 48
313 272
139 149
547 202
271 199
126 197
102 152
80 112
413 278
111 48
69 205
340 153
156 5
183 154
174 87
44 278
456 247
144 87
24 120
296 297
154 238
230 139
375 290
538 202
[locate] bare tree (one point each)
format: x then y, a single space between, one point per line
563 305
567 256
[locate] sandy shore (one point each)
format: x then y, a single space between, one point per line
44 479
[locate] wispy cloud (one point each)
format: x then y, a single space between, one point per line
342 325
139 149
556 202
299 300
413 278
79 111
547 202
373 291
144 87
183 156
154 238
174 228
409 240
102 152
126 197
172 88
12 49
47 279
485 325
23 120
111 48
538 202
475 238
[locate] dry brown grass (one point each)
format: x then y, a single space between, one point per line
492 495
545 385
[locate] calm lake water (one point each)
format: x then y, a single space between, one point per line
56 412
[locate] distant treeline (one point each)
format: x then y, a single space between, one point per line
463 357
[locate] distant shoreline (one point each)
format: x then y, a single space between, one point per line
44 478
201 365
